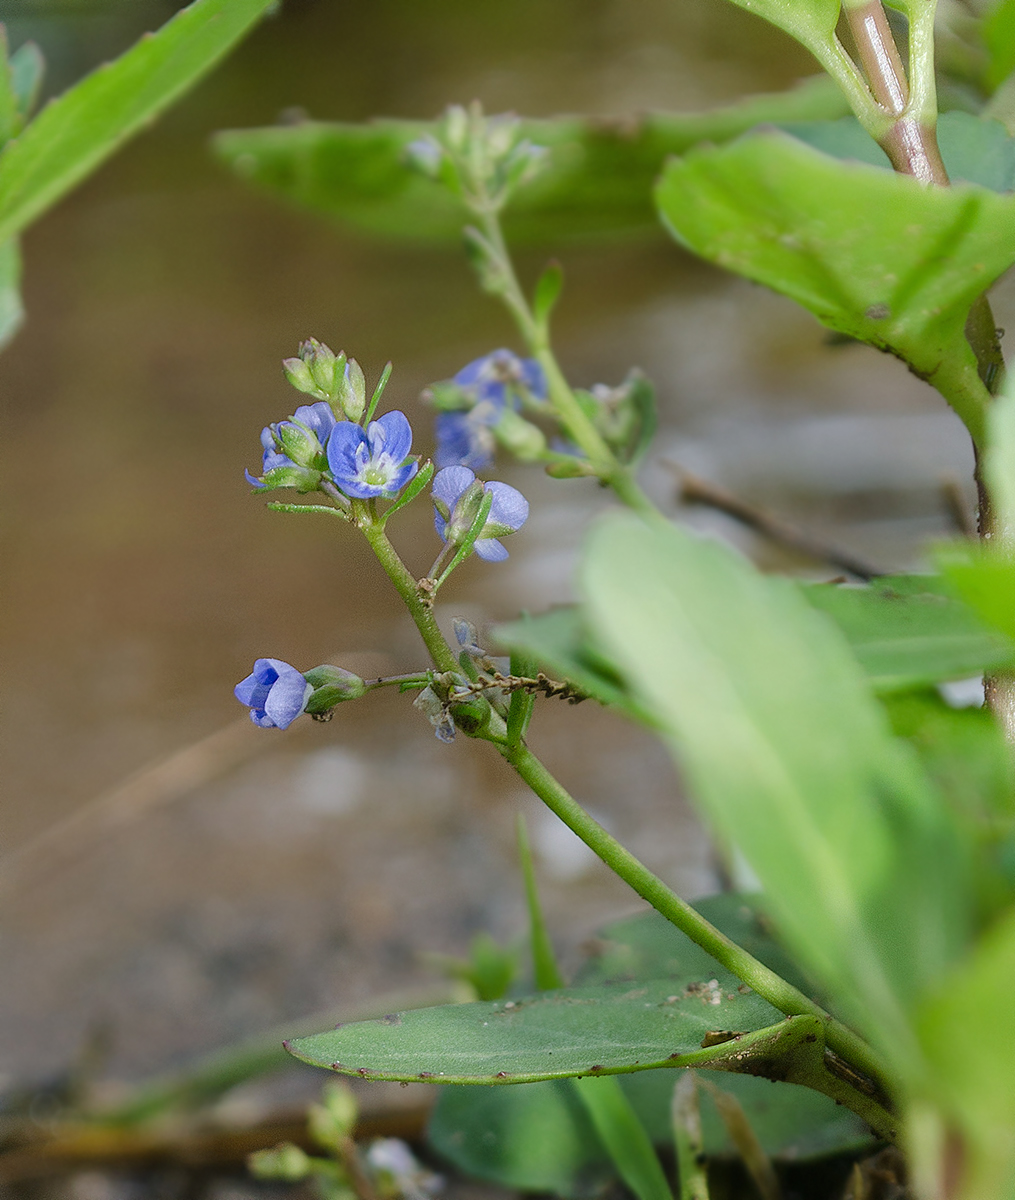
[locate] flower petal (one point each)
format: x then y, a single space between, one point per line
392 433
509 506
343 442
449 483
490 550
288 697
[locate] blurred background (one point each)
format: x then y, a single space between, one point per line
258 877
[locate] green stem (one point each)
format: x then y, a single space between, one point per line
406 586
770 986
562 398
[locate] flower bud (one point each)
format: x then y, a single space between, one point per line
284 1162
298 374
325 366
299 444
332 685
351 390
526 441
332 1121
465 512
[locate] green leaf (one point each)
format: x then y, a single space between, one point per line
968 1037
789 755
554 1035
8 97
999 38
598 180
875 255
538 1138
911 630
999 463
623 1135
984 579
12 312
75 132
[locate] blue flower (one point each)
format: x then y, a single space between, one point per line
296 445
453 494
275 693
500 375
375 462
464 439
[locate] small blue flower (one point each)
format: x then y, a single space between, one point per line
508 511
375 462
464 439
296 443
275 693
500 375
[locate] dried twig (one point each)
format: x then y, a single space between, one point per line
694 490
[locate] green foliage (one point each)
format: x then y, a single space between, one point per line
75 132
911 630
556 1035
598 180
622 1133
790 757
999 39
877 256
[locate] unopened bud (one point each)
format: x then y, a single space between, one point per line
351 391
332 685
525 440
284 1162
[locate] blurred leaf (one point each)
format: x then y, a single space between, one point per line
974 150
599 178
27 69
984 579
964 750
999 463
544 962
12 312
75 132
791 758
8 97
623 1135
999 38
968 1037
908 631
555 1035
647 946
874 255
537 1137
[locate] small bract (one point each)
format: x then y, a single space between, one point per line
374 462
275 693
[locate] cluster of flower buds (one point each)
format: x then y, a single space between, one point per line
324 443
478 156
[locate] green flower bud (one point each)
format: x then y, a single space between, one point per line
299 444
303 479
525 440
298 374
332 685
351 390
333 1120
466 511
284 1162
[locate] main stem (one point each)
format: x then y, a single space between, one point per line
911 144
770 986
399 574
604 462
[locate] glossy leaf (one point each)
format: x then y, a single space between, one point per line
908 631
874 255
75 132
599 178
790 757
